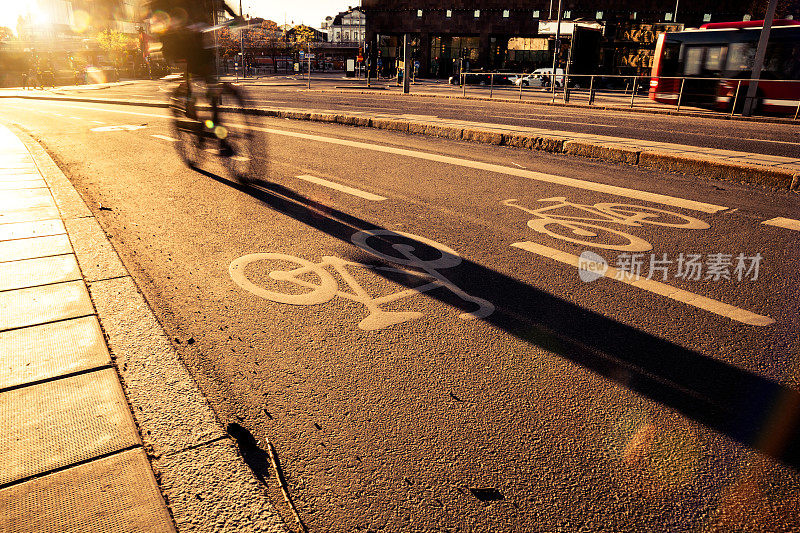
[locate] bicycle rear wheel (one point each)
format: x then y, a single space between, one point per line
186 127
234 133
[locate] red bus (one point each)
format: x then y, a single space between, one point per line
718 58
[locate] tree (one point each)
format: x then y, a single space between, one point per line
115 44
6 34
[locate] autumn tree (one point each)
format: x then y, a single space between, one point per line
115 44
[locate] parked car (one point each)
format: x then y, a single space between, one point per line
527 80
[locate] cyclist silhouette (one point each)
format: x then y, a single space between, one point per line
180 26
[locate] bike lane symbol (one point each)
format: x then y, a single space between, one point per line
325 288
588 229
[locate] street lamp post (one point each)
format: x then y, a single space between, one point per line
557 50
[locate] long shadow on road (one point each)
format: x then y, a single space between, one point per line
754 410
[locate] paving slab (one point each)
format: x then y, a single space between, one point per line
63 422
42 352
22 184
38 305
28 215
38 271
26 199
13 174
113 494
18 249
25 230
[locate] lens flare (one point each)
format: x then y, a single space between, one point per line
210 124
81 20
221 132
159 22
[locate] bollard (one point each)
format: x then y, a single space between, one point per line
633 92
520 87
463 84
491 85
591 90
680 95
798 110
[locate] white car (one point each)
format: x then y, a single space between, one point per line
527 80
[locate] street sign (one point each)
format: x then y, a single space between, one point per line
302 54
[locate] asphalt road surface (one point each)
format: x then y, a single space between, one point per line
707 131
407 325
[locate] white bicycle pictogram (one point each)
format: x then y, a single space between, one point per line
584 229
325 287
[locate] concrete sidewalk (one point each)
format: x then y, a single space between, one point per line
706 163
79 351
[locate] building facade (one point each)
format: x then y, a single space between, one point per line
519 35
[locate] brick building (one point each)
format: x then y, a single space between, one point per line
515 35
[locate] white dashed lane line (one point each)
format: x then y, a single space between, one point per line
342 188
165 138
788 223
662 289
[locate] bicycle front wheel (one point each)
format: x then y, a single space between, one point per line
234 134
304 283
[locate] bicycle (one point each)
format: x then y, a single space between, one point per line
204 123
596 235
308 283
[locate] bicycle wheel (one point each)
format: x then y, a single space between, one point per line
444 257
650 215
591 235
234 134
185 126
320 292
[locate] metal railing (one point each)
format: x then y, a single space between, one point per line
714 94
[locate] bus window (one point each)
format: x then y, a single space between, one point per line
693 63
670 59
740 56
713 62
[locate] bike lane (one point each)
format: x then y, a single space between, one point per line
561 408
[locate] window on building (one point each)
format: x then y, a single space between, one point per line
634 15
505 13
668 17
536 14
477 13
448 13
598 15
706 17
567 14
419 13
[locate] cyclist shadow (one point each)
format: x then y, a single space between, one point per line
751 409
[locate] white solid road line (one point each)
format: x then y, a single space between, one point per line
165 138
342 188
679 295
671 201
788 223
500 169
